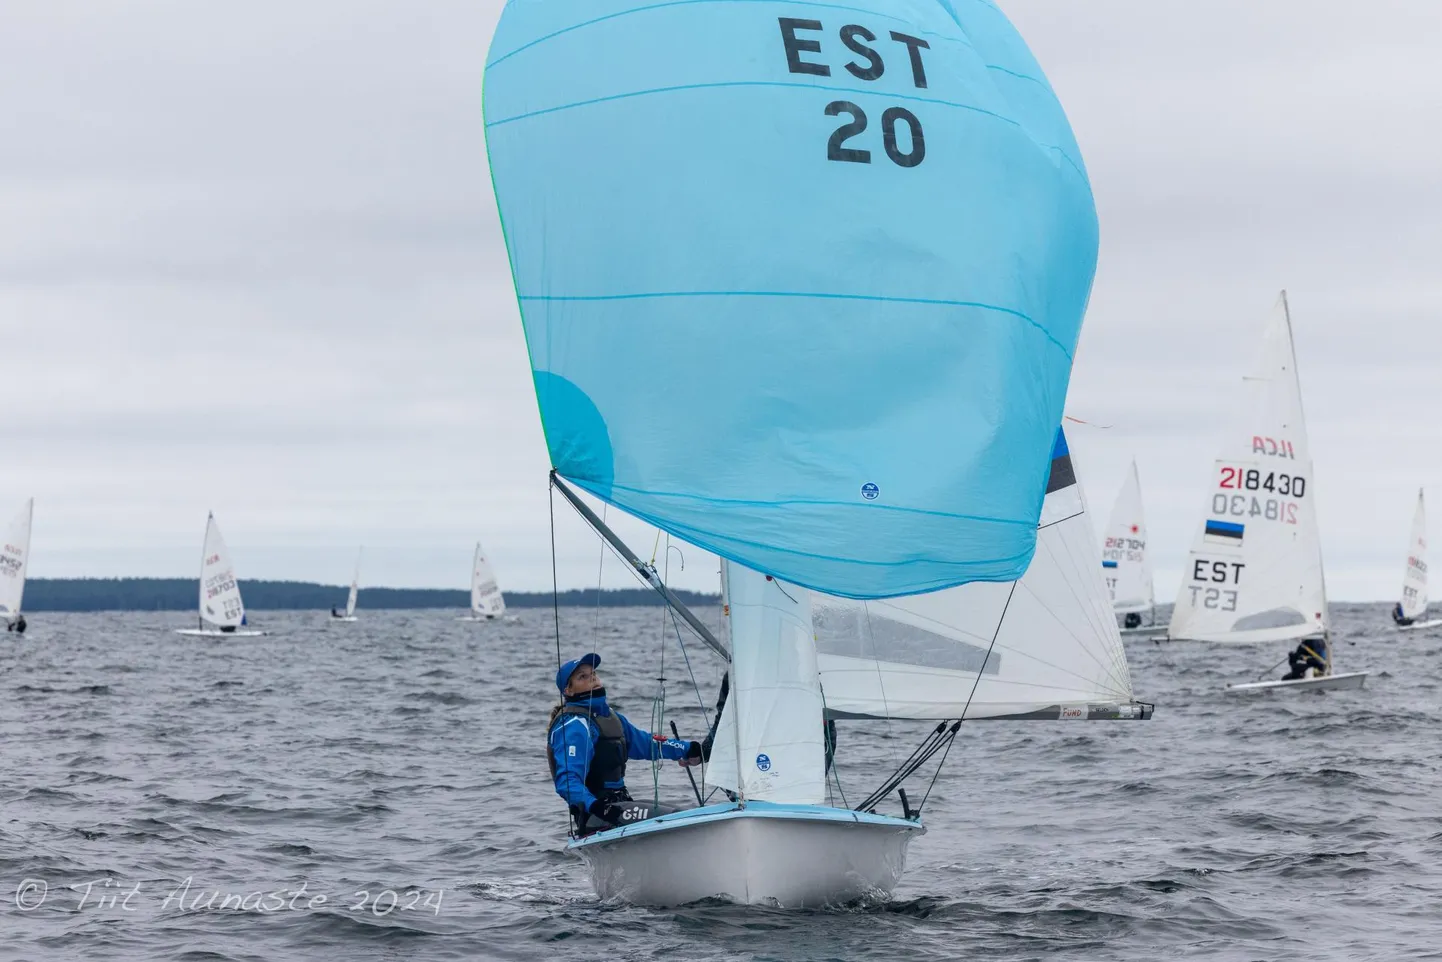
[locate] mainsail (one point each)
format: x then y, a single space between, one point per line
1044 646
1126 565
801 285
220 602
486 598
354 587
14 556
775 706
1414 580
1255 570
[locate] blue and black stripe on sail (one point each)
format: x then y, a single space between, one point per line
1223 532
1062 475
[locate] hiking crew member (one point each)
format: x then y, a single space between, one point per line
1309 654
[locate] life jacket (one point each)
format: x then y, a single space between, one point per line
606 778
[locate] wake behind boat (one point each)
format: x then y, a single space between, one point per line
1254 574
222 613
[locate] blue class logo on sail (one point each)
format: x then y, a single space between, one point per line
761 250
763 762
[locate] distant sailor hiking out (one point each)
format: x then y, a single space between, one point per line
1309 654
589 745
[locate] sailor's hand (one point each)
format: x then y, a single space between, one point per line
694 755
610 814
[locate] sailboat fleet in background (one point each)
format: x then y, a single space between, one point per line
1126 564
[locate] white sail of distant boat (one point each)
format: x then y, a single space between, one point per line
14 558
1126 562
349 614
1255 570
487 602
1046 646
222 612
1413 604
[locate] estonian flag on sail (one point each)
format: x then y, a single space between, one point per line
1062 475
1223 532
1109 564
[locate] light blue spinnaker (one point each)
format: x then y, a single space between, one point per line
800 282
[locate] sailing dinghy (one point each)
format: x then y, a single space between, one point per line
350 599
487 602
1414 580
14 558
1254 574
1126 563
222 613
874 410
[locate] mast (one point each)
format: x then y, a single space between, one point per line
1302 417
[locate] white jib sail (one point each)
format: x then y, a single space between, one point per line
1414 582
1048 642
220 602
774 711
1126 565
1255 570
486 598
354 587
14 557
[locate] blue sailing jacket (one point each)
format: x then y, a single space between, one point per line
573 744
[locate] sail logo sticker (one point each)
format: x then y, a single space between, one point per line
870 491
763 762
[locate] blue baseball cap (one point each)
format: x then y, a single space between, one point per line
564 673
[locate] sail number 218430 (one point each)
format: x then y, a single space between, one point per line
868 64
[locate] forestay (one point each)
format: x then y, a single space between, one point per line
800 283
774 710
486 597
1414 580
14 558
1126 564
220 602
1045 646
1255 570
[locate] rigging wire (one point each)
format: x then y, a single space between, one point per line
555 584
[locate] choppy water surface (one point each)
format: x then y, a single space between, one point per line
149 778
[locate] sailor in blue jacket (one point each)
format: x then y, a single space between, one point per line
589 746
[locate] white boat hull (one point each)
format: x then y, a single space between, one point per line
1145 631
1418 625
215 633
1343 682
509 619
342 618
794 856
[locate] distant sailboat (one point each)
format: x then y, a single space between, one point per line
1127 564
14 557
350 600
487 602
222 613
1413 605
1255 570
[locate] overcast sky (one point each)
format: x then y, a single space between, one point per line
250 263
